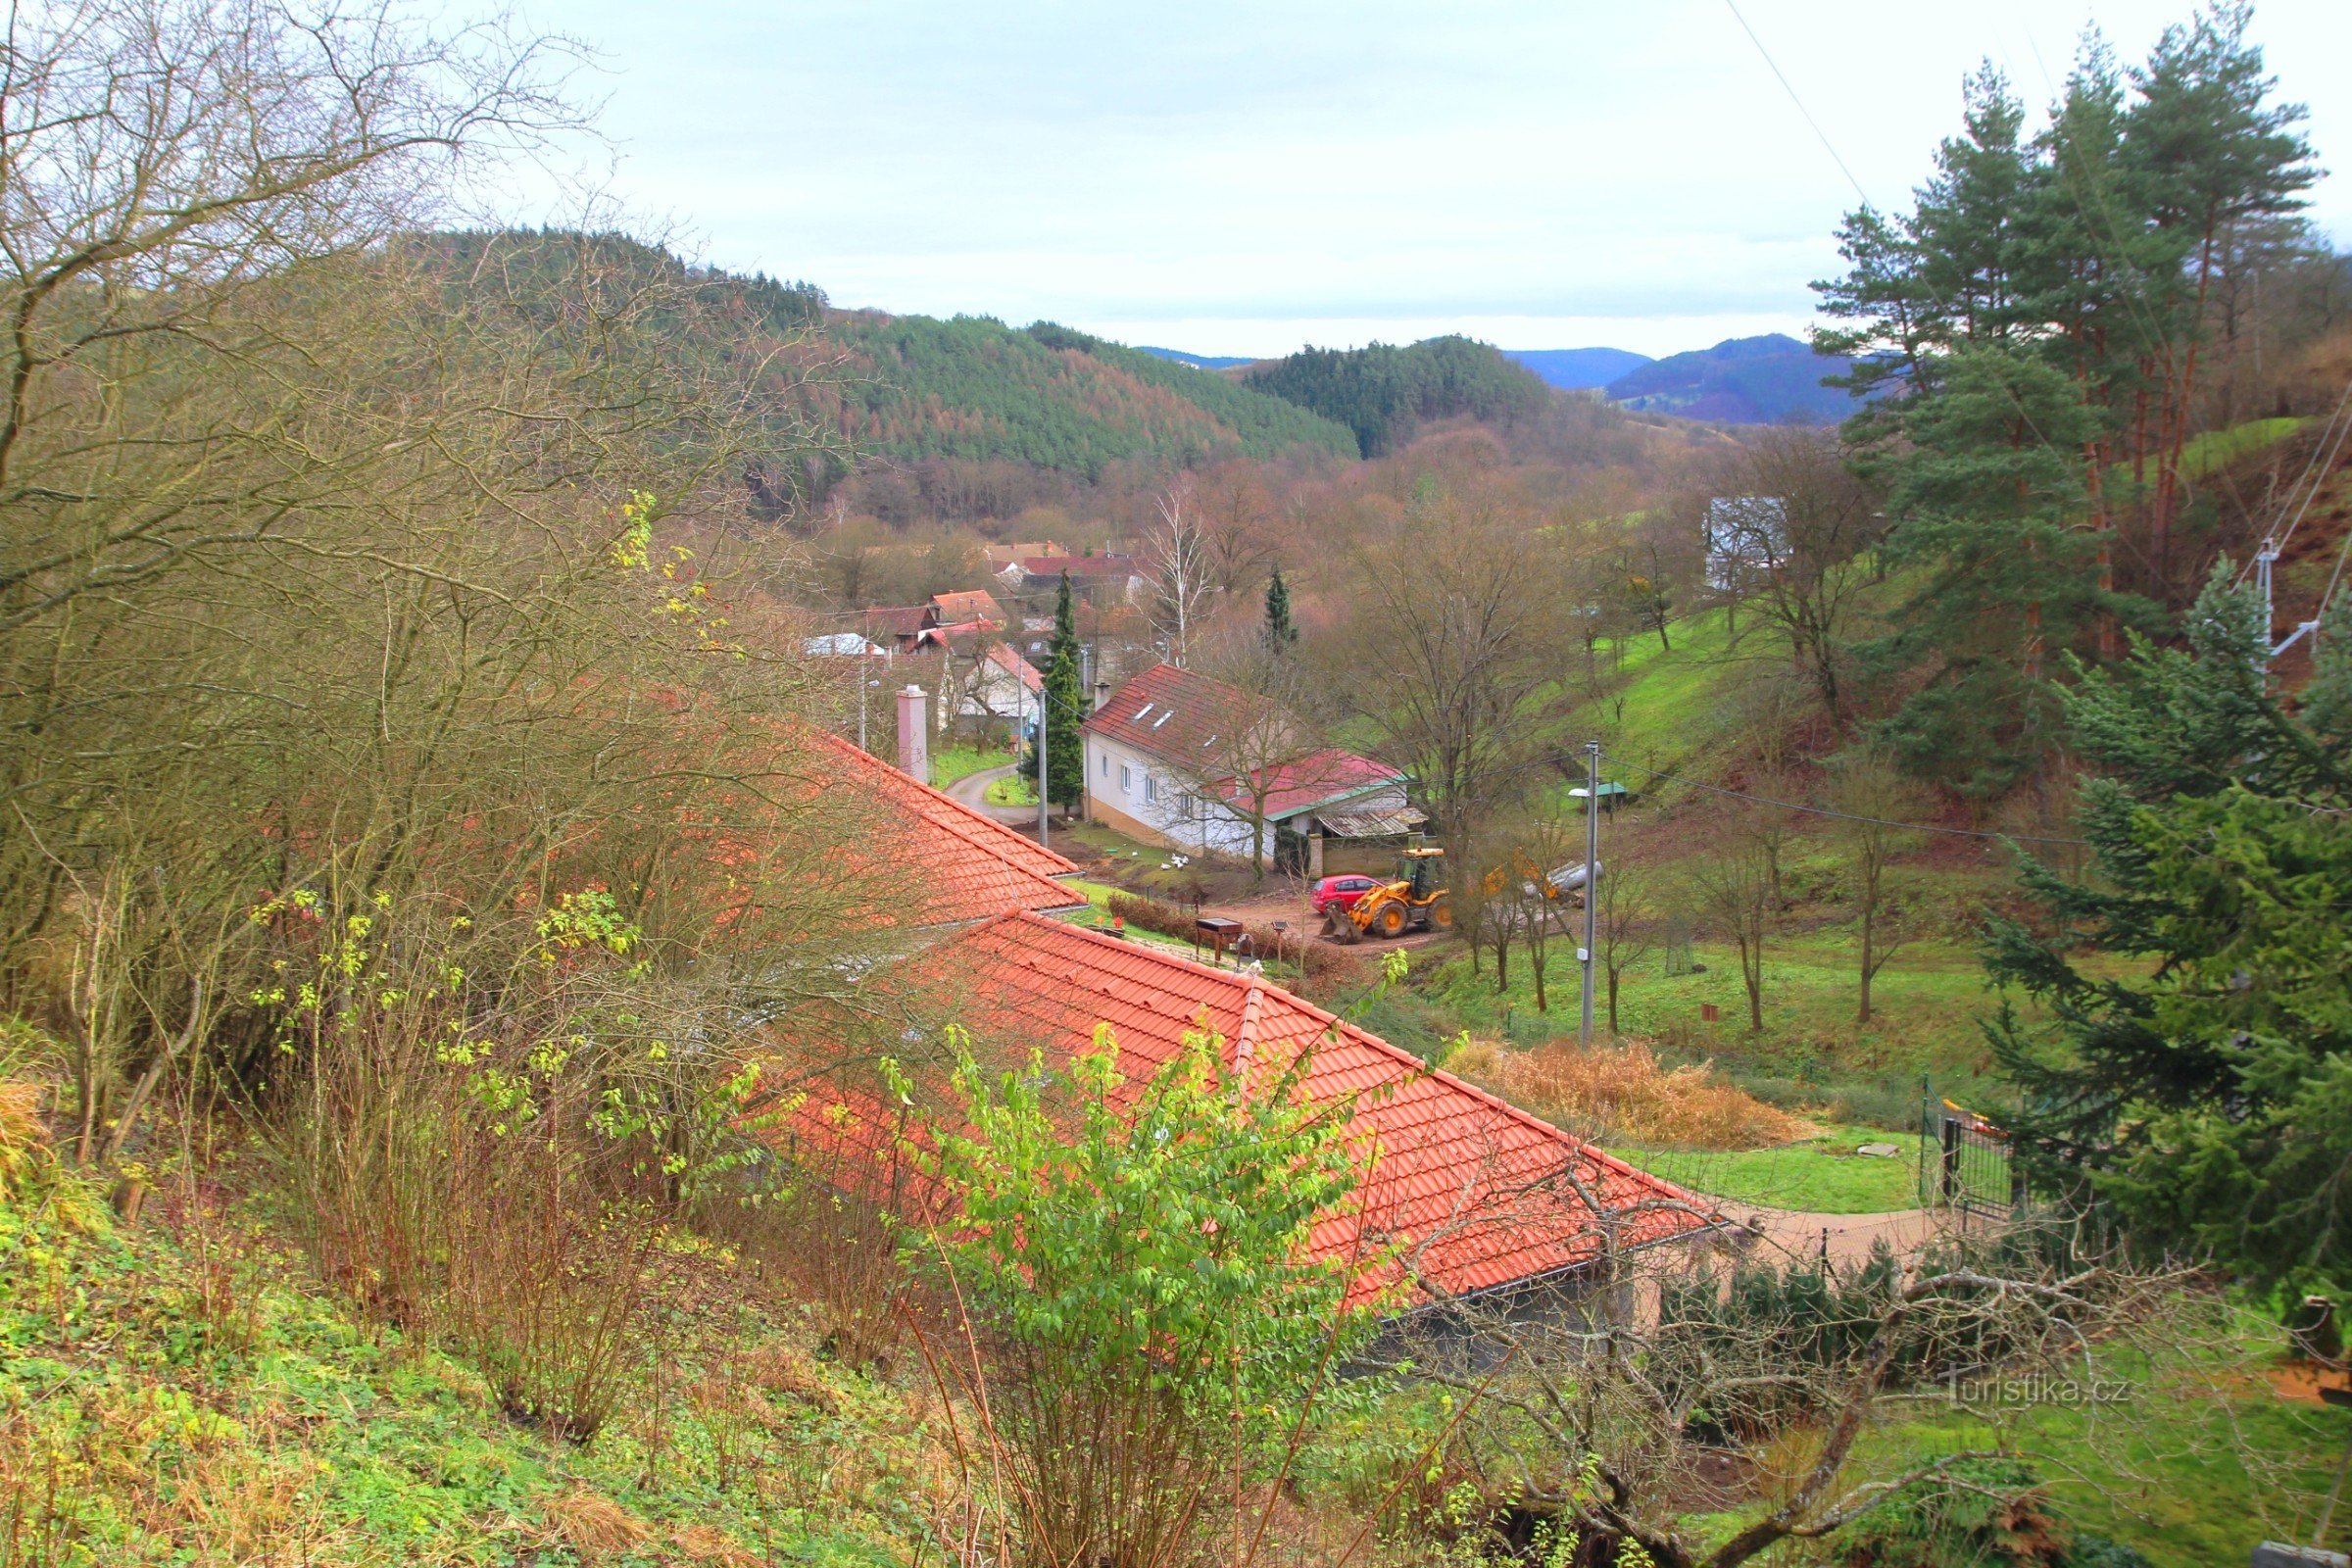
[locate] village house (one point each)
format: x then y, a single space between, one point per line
1177 758
1103 579
1462 1195
1003 686
934 623
1000 556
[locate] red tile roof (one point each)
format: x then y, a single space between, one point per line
1324 775
1175 713
954 864
966 605
1461 1191
1008 658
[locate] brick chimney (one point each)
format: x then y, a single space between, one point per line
914 734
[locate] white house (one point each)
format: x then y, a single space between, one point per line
1177 758
1005 686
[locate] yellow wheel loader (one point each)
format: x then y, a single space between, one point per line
1414 902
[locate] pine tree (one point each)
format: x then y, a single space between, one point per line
1281 635
1065 709
2032 327
2205 1097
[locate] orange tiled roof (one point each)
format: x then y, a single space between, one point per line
1462 1191
956 864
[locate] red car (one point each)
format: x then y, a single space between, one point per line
1342 892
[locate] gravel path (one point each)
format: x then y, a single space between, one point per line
1794 1234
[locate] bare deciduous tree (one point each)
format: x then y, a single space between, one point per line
1456 624
1179 567
1609 1408
1876 799
1623 922
1735 887
1794 538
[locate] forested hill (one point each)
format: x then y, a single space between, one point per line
1382 393
972 387
905 387
1741 380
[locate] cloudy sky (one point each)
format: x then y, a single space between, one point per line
1242 178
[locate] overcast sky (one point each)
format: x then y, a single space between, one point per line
1244 177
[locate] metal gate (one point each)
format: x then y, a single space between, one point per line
1964 1164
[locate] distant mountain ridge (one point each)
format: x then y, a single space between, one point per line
1199 362
1773 379
1579 369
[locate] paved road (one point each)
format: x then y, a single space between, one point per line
972 791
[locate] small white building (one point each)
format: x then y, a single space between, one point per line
1166 756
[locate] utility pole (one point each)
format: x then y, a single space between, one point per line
1045 699
2264 560
1583 951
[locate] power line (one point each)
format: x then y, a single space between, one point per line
1728 4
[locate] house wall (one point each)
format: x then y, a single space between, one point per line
1124 801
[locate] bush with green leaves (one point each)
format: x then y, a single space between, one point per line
1149 1332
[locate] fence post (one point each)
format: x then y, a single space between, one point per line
1951 1158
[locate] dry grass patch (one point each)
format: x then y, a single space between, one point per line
1622 1094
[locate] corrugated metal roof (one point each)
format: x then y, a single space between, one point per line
1371 824
1472 1191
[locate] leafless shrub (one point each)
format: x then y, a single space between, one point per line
1623 1093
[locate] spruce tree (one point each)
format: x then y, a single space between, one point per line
1065 709
1281 635
2203 1096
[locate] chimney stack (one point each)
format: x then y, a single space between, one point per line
914 734
1101 694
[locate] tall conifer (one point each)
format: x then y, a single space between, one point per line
1280 633
1065 707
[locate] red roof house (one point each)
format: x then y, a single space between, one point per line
1176 757
1461 1192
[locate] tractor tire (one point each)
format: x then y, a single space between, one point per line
1391 921
1439 914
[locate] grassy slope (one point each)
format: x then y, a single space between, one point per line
1928 1002
953 762
1823 1175
165 1403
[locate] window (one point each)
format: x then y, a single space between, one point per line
1105 768
1187 806
1151 787
1126 781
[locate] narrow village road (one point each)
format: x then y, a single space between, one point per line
972 791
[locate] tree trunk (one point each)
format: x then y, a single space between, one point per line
1751 975
1870 910
1613 999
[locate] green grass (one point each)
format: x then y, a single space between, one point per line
1927 1007
162 1405
953 762
1824 1176
2197 1462
2217 449
1013 789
